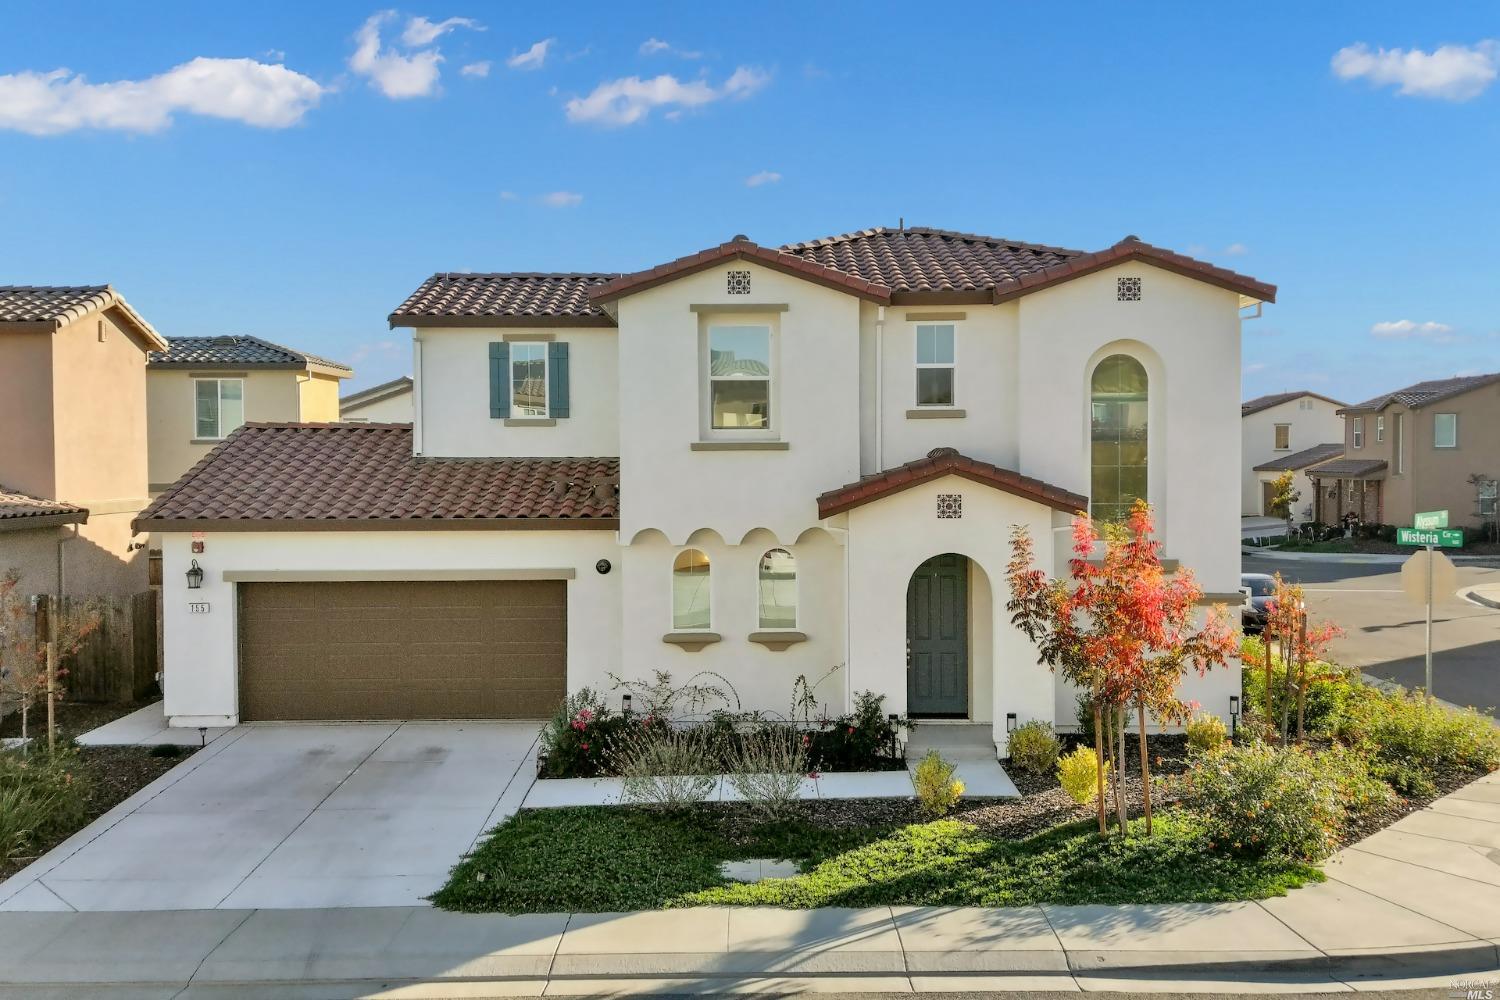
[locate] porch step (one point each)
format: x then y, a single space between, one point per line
955 741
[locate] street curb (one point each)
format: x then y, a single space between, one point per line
1371 558
1478 598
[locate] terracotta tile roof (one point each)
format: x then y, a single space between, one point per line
462 299
943 462
1302 459
1259 403
16 508
277 477
741 247
1348 468
1423 393
239 351
395 387
920 259
55 306
1132 248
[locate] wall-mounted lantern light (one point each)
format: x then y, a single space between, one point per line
195 576
1010 722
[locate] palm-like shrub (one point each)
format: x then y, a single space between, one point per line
767 769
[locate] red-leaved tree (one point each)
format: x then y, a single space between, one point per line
1303 648
1121 628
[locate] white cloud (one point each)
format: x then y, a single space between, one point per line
476 69
508 196
1254 368
630 99
764 177
243 90
1405 329
396 74
655 46
1449 72
561 199
421 32
532 58
1236 250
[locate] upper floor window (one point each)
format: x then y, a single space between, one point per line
1283 437
1445 430
778 590
1400 443
1118 398
935 364
1359 432
528 379
1379 428
739 377
690 591
219 406
1489 497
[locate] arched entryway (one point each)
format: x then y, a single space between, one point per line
938 639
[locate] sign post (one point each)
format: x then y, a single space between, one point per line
1428 572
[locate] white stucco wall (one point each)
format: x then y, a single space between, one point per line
200 671
455 416
394 409
1316 424
668 486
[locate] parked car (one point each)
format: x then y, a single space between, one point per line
1262 588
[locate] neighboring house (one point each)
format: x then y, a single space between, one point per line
202 388
387 403
766 463
1417 449
1275 430
1298 463
72 438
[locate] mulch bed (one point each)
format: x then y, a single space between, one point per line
74 718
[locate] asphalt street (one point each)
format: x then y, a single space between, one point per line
1384 630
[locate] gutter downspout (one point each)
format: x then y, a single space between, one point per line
62 578
879 382
848 618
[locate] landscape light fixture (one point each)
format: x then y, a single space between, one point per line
195 576
1234 714
1010 722
625 703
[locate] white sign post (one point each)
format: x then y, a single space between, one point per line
1424 574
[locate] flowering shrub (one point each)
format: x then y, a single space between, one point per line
1266 800
579 740
1034 747
863 740
937 790
1206 733
1078 773
1411 740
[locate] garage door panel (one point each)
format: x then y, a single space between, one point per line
402 649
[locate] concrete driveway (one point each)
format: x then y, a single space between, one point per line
283 816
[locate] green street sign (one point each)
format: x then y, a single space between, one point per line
1444 538
1430 520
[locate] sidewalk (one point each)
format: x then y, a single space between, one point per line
1417 904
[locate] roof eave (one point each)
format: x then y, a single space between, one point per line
24 522
413 321
266 524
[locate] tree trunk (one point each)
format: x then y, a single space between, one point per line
1120 768
1301 676
1284 717
1265 641
1098 762
53 628
1145 768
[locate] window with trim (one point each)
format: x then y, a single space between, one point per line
1283 437
690 592
219 406
1379 428
1359 432
739 377
528 379
1400 443
778 590
934 364
1117 430
1445 430
1489 496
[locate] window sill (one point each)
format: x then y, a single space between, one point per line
739 445
530 421
936 413
690 642
207 441
778 640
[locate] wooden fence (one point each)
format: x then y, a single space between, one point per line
118 662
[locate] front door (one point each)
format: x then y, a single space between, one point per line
937 638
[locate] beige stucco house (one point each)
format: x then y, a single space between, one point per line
386 403
199 389
1284 430
764 462
73 438
1428 446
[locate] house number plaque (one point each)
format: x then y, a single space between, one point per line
198 608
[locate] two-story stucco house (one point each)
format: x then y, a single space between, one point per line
72 439
1285 431
1428 446
762 462
199 389
386 403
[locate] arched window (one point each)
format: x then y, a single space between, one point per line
690 606
1117 479
778 590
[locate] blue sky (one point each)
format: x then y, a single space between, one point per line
294 170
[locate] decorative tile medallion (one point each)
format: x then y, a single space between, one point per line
739 282
1128 289
950 505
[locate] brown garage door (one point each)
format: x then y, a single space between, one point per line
491 649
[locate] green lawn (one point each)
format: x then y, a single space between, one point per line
599 859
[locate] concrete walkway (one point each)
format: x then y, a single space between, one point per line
1415 906
147 727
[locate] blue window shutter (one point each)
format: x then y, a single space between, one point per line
499 383
557 377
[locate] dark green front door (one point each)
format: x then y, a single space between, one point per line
937 638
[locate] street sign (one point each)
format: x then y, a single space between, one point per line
1445 538
1430 520
1414 573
